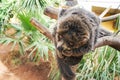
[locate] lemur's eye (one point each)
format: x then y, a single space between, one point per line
71 43
59 37
74 13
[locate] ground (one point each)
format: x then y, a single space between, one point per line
12 69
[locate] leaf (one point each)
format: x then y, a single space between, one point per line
27 26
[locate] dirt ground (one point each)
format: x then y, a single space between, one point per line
10 70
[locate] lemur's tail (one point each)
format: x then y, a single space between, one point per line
65 70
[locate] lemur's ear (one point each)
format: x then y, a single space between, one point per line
62 11
98 21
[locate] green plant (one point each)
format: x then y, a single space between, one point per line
103 64
117 25
5 14
26 36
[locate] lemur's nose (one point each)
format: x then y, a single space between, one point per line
60 48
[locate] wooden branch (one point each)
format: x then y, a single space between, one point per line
53 13
113 41
110 17
104 12
41 28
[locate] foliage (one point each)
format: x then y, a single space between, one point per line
117 25
5 14
103 64
25 35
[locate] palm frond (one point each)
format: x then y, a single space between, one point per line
14 42
25 19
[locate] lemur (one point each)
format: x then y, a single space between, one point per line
75 34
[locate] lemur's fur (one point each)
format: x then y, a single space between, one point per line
75 34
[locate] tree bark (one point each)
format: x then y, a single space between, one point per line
51 12
109 18
113 41
41 28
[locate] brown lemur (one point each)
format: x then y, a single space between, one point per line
75 34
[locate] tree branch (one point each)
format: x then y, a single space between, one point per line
53 13
104 12
112 41
41 28
109 18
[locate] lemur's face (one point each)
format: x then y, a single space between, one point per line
71 34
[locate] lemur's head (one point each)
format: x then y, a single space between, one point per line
72 31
